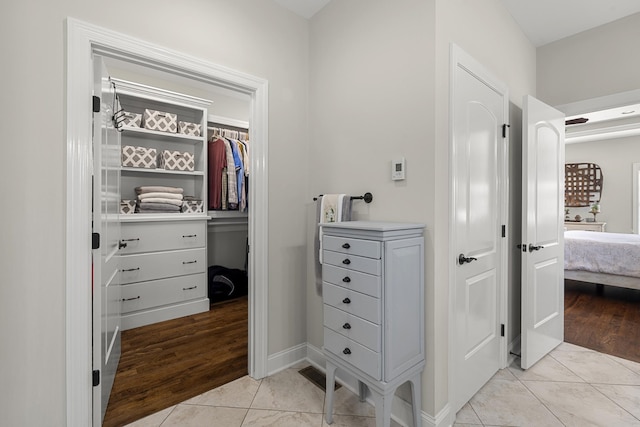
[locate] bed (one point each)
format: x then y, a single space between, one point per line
603 258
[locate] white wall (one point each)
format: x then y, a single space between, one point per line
594 63
379 87
254 36
487 32
615 157
371 98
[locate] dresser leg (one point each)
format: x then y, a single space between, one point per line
330 386
362 391
416 399
383 409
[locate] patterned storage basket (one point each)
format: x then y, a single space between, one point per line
177 161
161 121
127 206
192 129
192 206
132 120
139 157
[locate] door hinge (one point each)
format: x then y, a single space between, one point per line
502 330
504 130
95 240
504 230
96 378
96 104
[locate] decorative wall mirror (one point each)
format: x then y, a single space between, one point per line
582 184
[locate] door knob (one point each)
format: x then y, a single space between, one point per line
534 247
121 245
462 259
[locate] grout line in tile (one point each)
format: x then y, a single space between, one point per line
170 412
541 402
613 401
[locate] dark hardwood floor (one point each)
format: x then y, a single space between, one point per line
603 318
166 363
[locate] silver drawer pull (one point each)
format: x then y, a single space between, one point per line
189 235
346 351
346 261
131 299
131 240
131 269
189 262
188 289
346 326
346 246
346 301
346 279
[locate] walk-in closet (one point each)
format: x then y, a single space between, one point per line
183 186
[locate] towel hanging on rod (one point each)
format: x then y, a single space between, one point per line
367 197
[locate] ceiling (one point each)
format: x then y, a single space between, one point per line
304 8
569 17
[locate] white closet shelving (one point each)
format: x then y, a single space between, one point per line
164 263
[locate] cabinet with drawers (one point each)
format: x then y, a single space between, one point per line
163 271
586 226
373 296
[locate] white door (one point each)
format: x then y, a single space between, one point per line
106 223
479 160
542 230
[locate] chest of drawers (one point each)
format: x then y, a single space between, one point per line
373 296
163 271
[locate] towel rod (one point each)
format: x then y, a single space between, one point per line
368 197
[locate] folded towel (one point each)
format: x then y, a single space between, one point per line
159 189
162 200
175 196
160 207
332 208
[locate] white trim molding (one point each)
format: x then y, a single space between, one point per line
83 41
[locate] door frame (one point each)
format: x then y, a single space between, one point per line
459 58
82 41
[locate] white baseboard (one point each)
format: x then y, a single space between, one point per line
286 358
401 410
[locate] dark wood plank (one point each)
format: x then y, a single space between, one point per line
169 362
605 319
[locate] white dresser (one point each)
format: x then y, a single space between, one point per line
585 225
373 293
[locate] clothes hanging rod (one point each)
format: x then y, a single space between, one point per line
367 197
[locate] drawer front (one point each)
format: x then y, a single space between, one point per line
162 236
352 262
353 353
352 327
352 302
160 265
362 282
144 295
360 247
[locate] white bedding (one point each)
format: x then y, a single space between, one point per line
611 253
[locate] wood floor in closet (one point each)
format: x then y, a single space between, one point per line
605 319
169 362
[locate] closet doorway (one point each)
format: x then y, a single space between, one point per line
83 42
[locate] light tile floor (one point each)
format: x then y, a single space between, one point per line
572 386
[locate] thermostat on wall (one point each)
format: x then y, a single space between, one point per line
397 169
